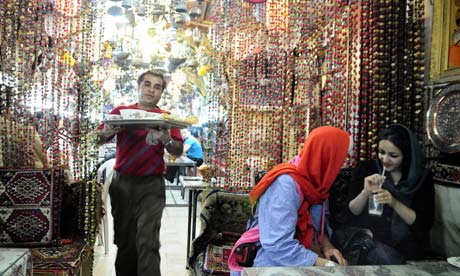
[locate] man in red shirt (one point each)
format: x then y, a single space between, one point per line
137 192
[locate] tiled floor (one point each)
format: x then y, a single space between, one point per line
173 241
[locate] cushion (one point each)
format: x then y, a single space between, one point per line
72 259
30 202
216 259
222 211
216 254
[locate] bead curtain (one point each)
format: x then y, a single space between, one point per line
287 69
392 69
280 69
48 50
357 65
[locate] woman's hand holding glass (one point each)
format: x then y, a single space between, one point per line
373 183
384 197
373 189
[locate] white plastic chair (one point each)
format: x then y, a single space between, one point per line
104 175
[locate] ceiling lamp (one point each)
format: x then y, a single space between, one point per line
129 15
196 11
180 6
127 4
174 63
180 19
158 10
141 10
115 11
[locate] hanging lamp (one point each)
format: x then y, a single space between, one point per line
157 12
196 11
127 4
180 7
115 11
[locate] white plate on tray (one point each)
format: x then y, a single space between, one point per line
454 261
147 123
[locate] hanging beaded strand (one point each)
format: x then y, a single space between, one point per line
354 61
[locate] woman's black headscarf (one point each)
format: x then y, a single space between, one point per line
412 169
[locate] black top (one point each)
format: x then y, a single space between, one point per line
416 242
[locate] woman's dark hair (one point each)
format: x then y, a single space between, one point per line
400 138
155 74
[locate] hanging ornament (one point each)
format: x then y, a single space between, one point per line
68 59
127 4
196 12
196 35
180 7
48 24
259 12
115 11
277 15
179 77
203 70
68 8
240 45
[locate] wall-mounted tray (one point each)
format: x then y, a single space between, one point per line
443 119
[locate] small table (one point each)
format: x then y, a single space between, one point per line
15 261
423 268
181 161
195 186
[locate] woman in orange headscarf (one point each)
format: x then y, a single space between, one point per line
289 203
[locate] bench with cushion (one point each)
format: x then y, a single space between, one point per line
224 211
55 220
444 228
223 219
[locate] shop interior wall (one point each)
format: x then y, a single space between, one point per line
349 64
279 70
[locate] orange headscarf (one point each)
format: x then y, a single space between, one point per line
321 158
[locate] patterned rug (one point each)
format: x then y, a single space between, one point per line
30 201
216 259
69 260
65 255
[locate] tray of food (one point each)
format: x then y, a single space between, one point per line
143 119
146 123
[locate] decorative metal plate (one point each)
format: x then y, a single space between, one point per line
443 119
